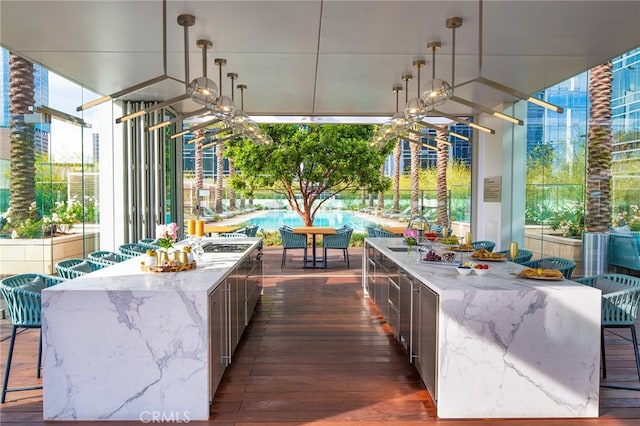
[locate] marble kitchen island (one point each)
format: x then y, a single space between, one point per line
122 344
493 346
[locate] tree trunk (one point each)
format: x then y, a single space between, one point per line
397 151
23 171
219 176
381 193
598 209
232 193
415 177
199 171
441 179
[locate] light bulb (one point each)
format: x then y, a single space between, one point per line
435 93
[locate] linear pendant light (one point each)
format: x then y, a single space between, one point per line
499 86
143 84
186 21
201 111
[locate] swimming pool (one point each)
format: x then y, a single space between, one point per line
271 220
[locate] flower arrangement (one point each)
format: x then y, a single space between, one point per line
167 235
410 237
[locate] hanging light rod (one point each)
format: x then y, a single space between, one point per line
486 110
465 122
196 127
427 136
152 108
518 94
165 123
226 138
445 130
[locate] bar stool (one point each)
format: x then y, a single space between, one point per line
22 295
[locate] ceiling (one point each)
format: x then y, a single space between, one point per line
320 57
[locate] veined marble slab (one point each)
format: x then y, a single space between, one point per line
122 344
511 347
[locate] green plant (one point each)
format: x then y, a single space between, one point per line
570 221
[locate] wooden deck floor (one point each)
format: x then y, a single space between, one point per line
318 353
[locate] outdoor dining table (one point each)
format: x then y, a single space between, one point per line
219 229
316 262
398 230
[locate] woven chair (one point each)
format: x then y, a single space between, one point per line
620 301
371 232
74 268
524 255
382 233
251 230
566 266
291 241
149 243
132 250
22 296
232 235
106 258
487 245
338 241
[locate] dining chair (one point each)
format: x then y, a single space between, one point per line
524 255
566 266
149 243
383 233
74 268
106 257
339 241
132 249
292 241
371 232
22 296
251 230
487 245
620 301
233 235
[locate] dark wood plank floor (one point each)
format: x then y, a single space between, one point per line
318 353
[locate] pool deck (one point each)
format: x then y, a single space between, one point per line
246 217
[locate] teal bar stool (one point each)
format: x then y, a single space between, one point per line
22 296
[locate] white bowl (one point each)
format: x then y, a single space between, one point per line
481 271
463 271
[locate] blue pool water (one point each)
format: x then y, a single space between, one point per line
271 220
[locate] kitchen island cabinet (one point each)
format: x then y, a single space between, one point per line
494 346
123 344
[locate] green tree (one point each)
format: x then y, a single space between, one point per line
21 99
310 164
598 212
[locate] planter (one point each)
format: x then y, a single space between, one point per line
40 255
548 245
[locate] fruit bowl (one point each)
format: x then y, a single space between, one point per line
481 269
464 270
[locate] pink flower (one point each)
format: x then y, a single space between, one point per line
410 233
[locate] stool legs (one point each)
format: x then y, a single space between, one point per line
9 359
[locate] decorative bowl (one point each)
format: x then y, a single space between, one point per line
484 271
463 270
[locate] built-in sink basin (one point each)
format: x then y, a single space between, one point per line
400 249
224 248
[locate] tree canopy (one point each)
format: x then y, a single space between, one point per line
309 164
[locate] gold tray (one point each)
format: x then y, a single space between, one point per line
490 259
168 268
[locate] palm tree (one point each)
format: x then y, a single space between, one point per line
441 180
219 176
397 151
199 169
232 193
381 193
598 209
23 171
415 177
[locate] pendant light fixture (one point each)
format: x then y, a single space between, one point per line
499 86
437 91
141 85
186 21
203 90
